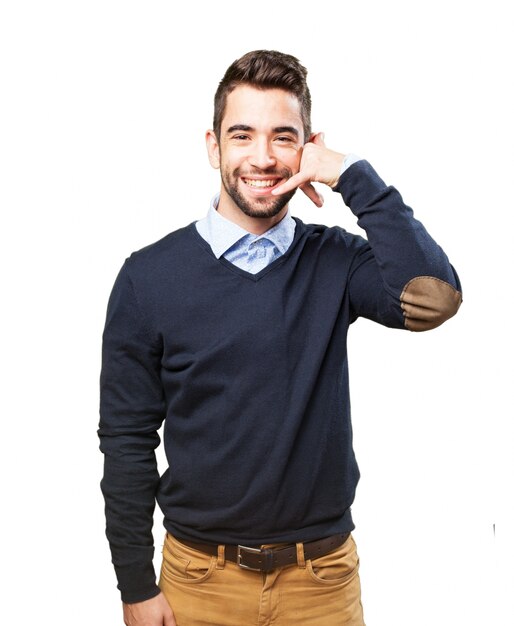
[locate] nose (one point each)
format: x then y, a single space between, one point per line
261 155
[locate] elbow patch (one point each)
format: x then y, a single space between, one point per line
427 302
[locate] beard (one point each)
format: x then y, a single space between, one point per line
256 207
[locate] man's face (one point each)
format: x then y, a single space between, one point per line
260 146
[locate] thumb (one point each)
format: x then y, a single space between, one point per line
318 139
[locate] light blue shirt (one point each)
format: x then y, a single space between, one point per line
247 251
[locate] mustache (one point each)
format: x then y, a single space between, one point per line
279 173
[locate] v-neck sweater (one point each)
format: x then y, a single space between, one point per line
249 373
248 251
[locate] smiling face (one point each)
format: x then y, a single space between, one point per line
259 147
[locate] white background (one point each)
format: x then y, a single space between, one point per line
103 111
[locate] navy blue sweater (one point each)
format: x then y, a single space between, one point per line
249 372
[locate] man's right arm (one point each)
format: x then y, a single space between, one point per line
132 409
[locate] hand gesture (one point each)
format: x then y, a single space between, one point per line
318 164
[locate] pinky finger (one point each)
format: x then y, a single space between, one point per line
290 184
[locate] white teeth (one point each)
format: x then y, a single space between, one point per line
259 183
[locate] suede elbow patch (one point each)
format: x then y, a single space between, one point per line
427 302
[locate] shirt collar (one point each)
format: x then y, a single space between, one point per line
221 233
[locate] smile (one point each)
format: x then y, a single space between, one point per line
261 183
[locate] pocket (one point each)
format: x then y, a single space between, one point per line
336 568
180 563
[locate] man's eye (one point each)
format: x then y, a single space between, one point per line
241 137
284 139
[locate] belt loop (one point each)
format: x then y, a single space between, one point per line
220 564
300 557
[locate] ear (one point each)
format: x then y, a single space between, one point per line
213 149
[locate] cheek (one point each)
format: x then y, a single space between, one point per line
231 162
294 161
229 173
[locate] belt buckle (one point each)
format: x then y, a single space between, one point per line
252 551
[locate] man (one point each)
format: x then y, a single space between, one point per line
232 331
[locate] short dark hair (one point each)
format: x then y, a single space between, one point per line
265 69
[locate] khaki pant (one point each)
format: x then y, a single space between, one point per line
206 590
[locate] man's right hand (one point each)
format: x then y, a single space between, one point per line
153 612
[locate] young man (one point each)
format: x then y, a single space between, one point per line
232 330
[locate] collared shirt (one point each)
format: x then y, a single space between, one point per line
247 251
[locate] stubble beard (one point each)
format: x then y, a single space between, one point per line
258 207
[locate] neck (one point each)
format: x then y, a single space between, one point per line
254 225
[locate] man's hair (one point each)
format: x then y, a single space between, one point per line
265 69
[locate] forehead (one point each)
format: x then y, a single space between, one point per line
261 108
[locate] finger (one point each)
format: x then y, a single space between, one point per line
312 194
169 620
291 183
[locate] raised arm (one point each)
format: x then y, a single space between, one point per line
402 278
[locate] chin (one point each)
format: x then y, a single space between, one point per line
264 207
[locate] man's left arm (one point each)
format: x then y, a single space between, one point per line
402 277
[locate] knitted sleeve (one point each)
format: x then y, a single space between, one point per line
401 277
132 409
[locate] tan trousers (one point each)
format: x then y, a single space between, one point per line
206 590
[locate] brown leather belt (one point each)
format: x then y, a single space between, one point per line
267 559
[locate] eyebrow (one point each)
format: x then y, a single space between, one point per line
277 129
239 127
287 129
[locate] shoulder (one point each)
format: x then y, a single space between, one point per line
166 245
162 255
331 237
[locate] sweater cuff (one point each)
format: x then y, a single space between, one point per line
358 185
137 582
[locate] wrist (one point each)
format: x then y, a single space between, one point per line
337 167
348 161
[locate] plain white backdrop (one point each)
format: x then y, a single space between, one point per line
103 111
